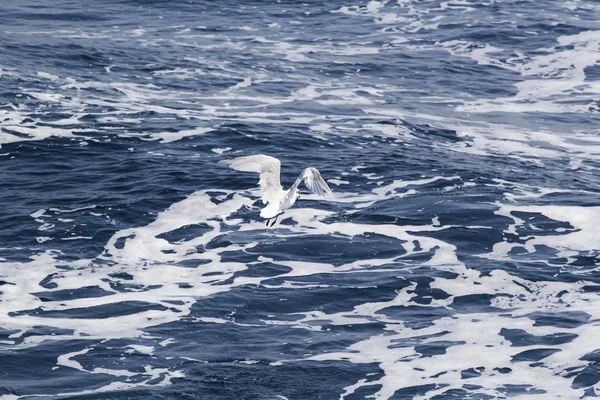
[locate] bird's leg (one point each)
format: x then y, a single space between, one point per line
277 216
268 220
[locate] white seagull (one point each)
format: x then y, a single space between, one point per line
272 194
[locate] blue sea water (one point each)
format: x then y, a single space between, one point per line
458 259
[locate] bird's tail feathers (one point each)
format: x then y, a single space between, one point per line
270 211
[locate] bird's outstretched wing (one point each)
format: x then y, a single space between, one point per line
314 182
268 168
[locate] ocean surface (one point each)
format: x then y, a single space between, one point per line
458 259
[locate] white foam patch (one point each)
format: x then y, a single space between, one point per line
531 147
168 137
559 83
400 184
148 350
374 9
473 335
32 132
221 150
46 75
66 359
584 237
47 97
150 374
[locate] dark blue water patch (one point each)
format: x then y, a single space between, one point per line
81 185
364 392
257 381
264 269
536 271
250 304
47 282
228 342
469 208
534 266
476 303
466 393
592 72
416 317
435 348
195 263
81 58
218 343
29 370
590 392
592 356
411 392
534 354
560 319
119 283
589 376
430 202
121 275
519 337
539 254
424 294
223 241
95 312
514 390
119 242
471 373
118 354
6 333
45 13
336 250
71 294
534 221
338 338
584 262
185 233
432 133
503 370
465 75
468 241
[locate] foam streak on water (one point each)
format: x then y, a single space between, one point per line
459 257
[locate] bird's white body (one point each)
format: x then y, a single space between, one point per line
276 199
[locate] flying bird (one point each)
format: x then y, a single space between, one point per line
276 199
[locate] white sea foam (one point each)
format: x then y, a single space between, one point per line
46 75
32 132
553 80
521 143
168 137
221 150
151 260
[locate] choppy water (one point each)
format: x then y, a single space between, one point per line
459 258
